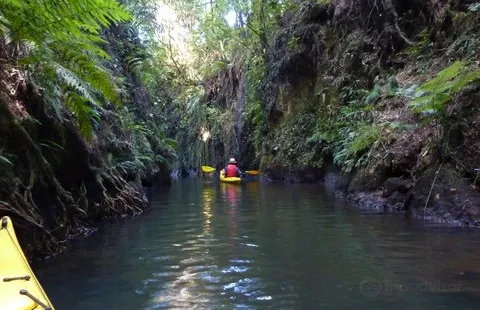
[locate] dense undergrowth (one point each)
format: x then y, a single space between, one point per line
381 94
379 89
360 104
303 84
79 134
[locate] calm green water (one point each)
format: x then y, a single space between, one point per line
217 246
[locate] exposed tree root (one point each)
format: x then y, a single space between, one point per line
124 197
46 212
390 9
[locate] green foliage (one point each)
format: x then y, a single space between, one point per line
63 40
52 21
347 132
432 96
364 138
173 144
82 112
149 147
373 95
254 114
423 46
363 99
466 46
285 146
350 136
293 43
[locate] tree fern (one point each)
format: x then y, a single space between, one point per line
60 20
66 47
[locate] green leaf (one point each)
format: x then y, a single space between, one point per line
52 145
171 143
82 113
431 97
365 137
5 160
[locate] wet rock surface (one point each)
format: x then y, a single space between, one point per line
292 175
450 200
396 185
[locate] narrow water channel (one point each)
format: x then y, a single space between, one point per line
218 246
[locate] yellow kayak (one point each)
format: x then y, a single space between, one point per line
207 169
229 179
19 288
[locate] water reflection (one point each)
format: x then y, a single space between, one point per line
231 193
255 246
207 202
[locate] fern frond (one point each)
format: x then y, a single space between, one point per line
431 97
66 39
366 136
173 144
74 81
82 112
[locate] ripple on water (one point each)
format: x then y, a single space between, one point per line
192 261
166 274
240 261
146 282
208 278
243 306
251 245
195 248
288 255
235 269
202 267
245 285
191 241
161 258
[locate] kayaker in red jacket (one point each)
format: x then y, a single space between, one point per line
232 170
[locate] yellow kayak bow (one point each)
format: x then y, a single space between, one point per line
19 288
208 169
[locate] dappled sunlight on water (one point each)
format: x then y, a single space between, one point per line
255 246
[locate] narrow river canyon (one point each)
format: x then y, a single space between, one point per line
205 245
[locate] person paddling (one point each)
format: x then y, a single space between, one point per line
232 170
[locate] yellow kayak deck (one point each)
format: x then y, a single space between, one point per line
229 179
19 288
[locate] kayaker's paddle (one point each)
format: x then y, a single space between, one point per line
208 169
